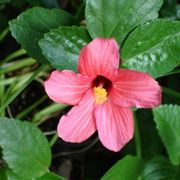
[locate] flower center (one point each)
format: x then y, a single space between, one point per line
101 86
100 95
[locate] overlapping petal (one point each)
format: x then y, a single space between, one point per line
100 57
67 87
114 124
135 89
79 123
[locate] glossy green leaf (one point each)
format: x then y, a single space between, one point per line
168 124
9 175
50 176
128 168
160 168
25 149
31 25
153 48
62 46
116 18
6 174
3 175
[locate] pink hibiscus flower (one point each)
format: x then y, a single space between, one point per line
102 96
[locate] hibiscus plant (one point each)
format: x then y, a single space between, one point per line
108 72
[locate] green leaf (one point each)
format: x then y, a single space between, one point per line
160 168
50 176
25 149
168 124
62 46
153 48
116 18
6 174
3 175
31 25
9 175
129 167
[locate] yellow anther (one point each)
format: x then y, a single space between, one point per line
100 95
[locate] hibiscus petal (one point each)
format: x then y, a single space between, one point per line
100 57
67 87
135 89
79 124
114 124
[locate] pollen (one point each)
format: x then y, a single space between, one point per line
100 95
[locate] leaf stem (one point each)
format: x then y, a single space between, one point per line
137 137
22 87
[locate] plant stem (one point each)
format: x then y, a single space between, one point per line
137 138
47 111
9 112
48 133
4 33
2 92
30 108
15 79
14 55
37 71
15 85
78 151
17 65
53 140
171 92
